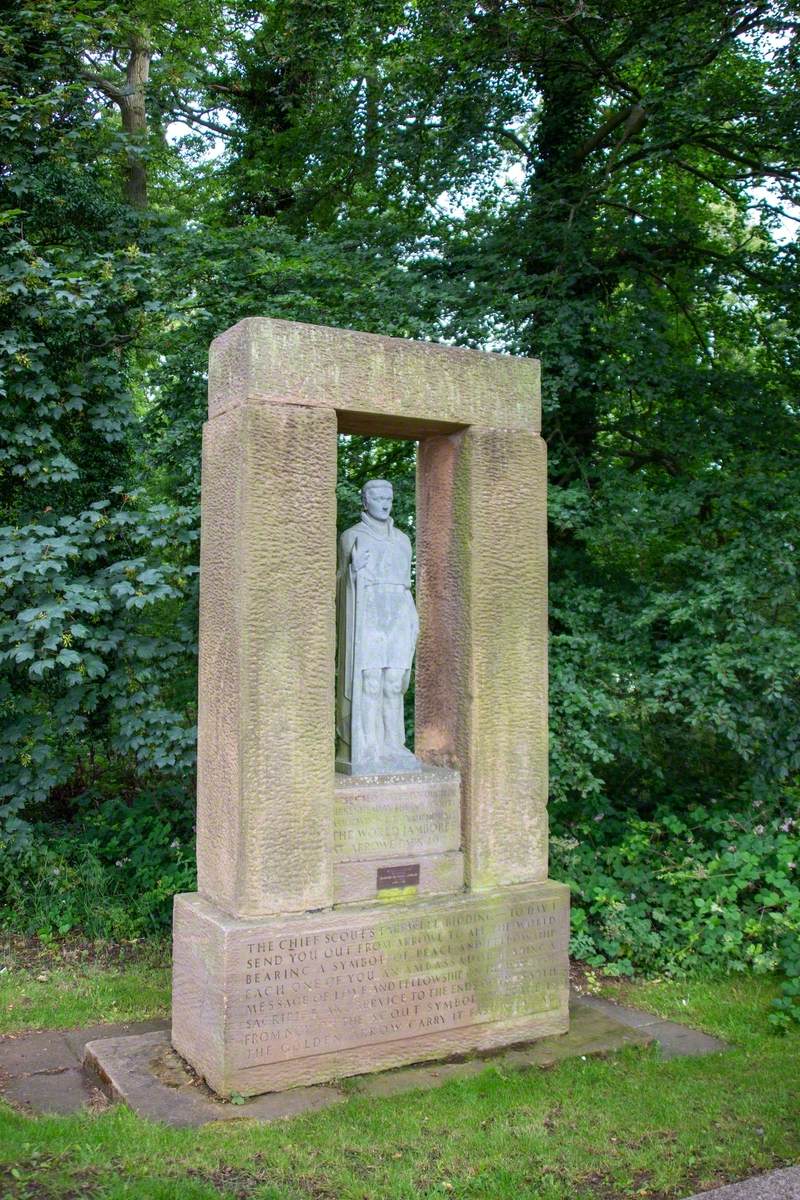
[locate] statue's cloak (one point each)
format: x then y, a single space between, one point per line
386 626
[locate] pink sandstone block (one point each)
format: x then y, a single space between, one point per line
388 816
270 1004
388 880
363 376
266 669
481 685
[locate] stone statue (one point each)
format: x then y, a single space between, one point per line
377 626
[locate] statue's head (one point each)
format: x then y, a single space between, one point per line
376 498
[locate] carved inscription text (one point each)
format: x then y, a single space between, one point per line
395 976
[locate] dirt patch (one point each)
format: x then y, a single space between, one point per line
234 1181
34 1179
31 954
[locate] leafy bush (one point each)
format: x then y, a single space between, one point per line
111 872
786 1008
713 888
97 633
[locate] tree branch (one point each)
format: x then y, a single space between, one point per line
510 136
194 118
758 168
602 133
117 94
691 170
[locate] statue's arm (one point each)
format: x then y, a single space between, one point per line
409 552
345 550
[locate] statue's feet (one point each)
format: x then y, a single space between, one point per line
393 760
399 758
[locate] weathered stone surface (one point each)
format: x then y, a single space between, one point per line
395 382
39 1070
586 1036
674 1040
266 684
151 1078
64 1092
26 1054
389 879
53 1051
481 686
774 1185
146 1074
392 816
265 1005
78 1038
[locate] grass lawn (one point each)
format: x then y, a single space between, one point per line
627 1126
44 989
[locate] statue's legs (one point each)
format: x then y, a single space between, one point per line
372 714
393 719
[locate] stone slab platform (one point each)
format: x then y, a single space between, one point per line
41 1071
774 1185
145 1073
259 1006
675 1040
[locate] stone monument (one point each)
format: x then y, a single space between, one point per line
359 906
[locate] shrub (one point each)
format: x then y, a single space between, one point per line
714 888
111 872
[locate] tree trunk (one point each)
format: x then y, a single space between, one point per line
134 122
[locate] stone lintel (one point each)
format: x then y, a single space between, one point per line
376 383
265 1005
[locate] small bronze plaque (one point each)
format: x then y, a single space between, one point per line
403 876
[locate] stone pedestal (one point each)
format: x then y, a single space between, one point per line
397 836
263 1005
348 924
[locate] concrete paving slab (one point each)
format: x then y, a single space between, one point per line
63 1092
422 1078
25 1054
589 1033
41 1070
77 1038
675 1040
617 1012
146 1073
775 1185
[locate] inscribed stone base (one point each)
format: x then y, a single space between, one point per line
264 1005
390 816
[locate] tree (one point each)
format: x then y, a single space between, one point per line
605 186
598 185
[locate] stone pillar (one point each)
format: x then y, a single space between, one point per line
481 690
266 684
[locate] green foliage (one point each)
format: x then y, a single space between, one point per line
786 1007
111 872
96 640
701 888
608 188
